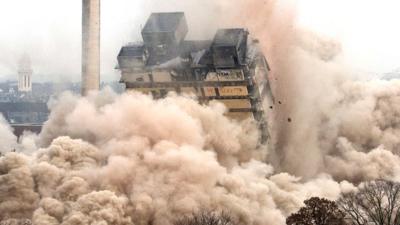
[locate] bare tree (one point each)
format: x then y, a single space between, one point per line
206 218
317 211
377 202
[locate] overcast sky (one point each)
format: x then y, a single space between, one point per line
50 31
368 29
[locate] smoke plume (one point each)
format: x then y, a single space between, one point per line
130 159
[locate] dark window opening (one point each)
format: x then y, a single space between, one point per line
163 93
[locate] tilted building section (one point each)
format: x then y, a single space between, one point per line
229 68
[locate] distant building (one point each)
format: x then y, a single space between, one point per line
29 111
24 112
25 74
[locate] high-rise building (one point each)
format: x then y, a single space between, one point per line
230 68
25 74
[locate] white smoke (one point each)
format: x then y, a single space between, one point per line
7 138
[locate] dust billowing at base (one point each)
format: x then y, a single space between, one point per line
129 159
330 112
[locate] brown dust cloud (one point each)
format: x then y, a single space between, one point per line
129 159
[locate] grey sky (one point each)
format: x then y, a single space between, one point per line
368 29
50 31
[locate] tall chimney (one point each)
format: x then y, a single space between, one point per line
90 45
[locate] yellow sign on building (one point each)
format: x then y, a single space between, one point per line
236 103
233 91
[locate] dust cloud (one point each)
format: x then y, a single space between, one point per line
332 114
130 159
